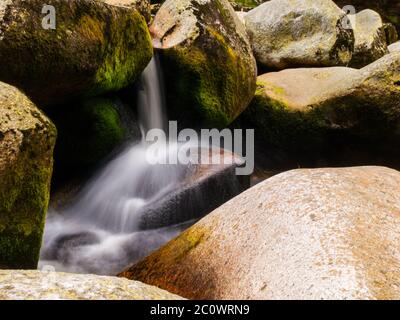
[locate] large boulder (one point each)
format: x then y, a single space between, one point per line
207 61
370 38
304 234
27 140
299 110
299 33
94 48
49 285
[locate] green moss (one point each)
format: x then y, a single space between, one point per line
279 126
24 197
121 64
248 3
88 131
204 84
94 49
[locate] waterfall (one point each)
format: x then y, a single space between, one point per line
101 224
151 100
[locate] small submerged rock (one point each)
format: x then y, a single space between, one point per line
48 285
204 188
329 233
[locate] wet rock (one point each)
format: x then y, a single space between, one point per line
328 233
301 33
45 285
207 61
100 252
94 48
205 188
27 139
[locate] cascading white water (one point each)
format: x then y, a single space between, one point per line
98 232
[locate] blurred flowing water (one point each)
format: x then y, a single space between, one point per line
98 232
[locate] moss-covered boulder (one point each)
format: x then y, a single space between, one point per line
370 38
94 48
208 65
90 130
299 33
329 233
143 6
300 110
27 139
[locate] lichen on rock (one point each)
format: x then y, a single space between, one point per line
27 139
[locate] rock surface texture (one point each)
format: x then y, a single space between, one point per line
328 233
46 285
299 33
27 140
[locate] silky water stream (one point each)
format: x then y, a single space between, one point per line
99 232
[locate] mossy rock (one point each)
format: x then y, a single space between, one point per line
209 69
303 111
89 131
27 139
299 33
95 48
